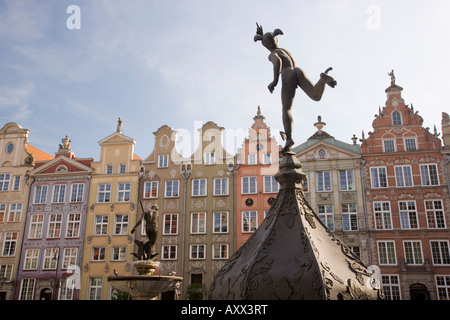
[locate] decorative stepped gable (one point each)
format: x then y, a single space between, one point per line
396 119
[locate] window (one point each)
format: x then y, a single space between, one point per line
16 184
440 251
410 144
123 193
198 187
305 184
104 193
122 168
119 254
326 215
197 251
349 217
109 169
27 289
15 212
413 252
121 224
65 291
170 223
220 223
151 189
249 221
36 225
210 158
77 192
221 186
169 252
98 254
6 271
220 251
386 253
73 225
198 222
429 175
403 176
266 158
50 259
346 180
163 161
172 189
4 181
382 211
408 215
2 212
95 288
54 225
252 158
391 287
69 257
396 118
270 184
378 177
101 225
435 214
248 185
31 259
323 181
443 287
389 145
59 192
9 244
40 195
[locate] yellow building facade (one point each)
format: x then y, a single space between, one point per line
111 215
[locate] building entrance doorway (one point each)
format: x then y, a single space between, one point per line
418 291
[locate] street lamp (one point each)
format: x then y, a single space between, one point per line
55 282
185 170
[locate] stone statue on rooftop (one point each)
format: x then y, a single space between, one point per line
291 77
391 74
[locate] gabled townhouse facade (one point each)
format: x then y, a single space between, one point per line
111 213
17 159
54 229
256 187
407 199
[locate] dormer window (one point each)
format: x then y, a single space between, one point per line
396 118
61 168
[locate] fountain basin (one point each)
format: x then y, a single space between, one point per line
144 287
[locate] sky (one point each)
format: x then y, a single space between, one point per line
72 67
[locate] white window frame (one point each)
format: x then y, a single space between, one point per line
169 252
101 227
412 252
326 215
73 225
220 251
388 259
249 221
323 181
210 158
5 181
119 253
199 187
171 220
173 193
391 286
197 252
425 175
151 187
349 214
40 194
77 192
403 176
105 193
270 185
385 215
408 214
221 186
376 177
440 252
219 225
252 159
435 213
347 180
123 192
54 226
15 212
443 286
121 224
250 183
36 228
389 145
408 146
59 193
163 161
198 223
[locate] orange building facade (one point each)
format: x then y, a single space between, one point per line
256 188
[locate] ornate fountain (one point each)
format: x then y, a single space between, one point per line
146 285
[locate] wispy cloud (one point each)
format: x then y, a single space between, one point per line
14 102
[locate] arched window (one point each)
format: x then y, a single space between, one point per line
396 118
